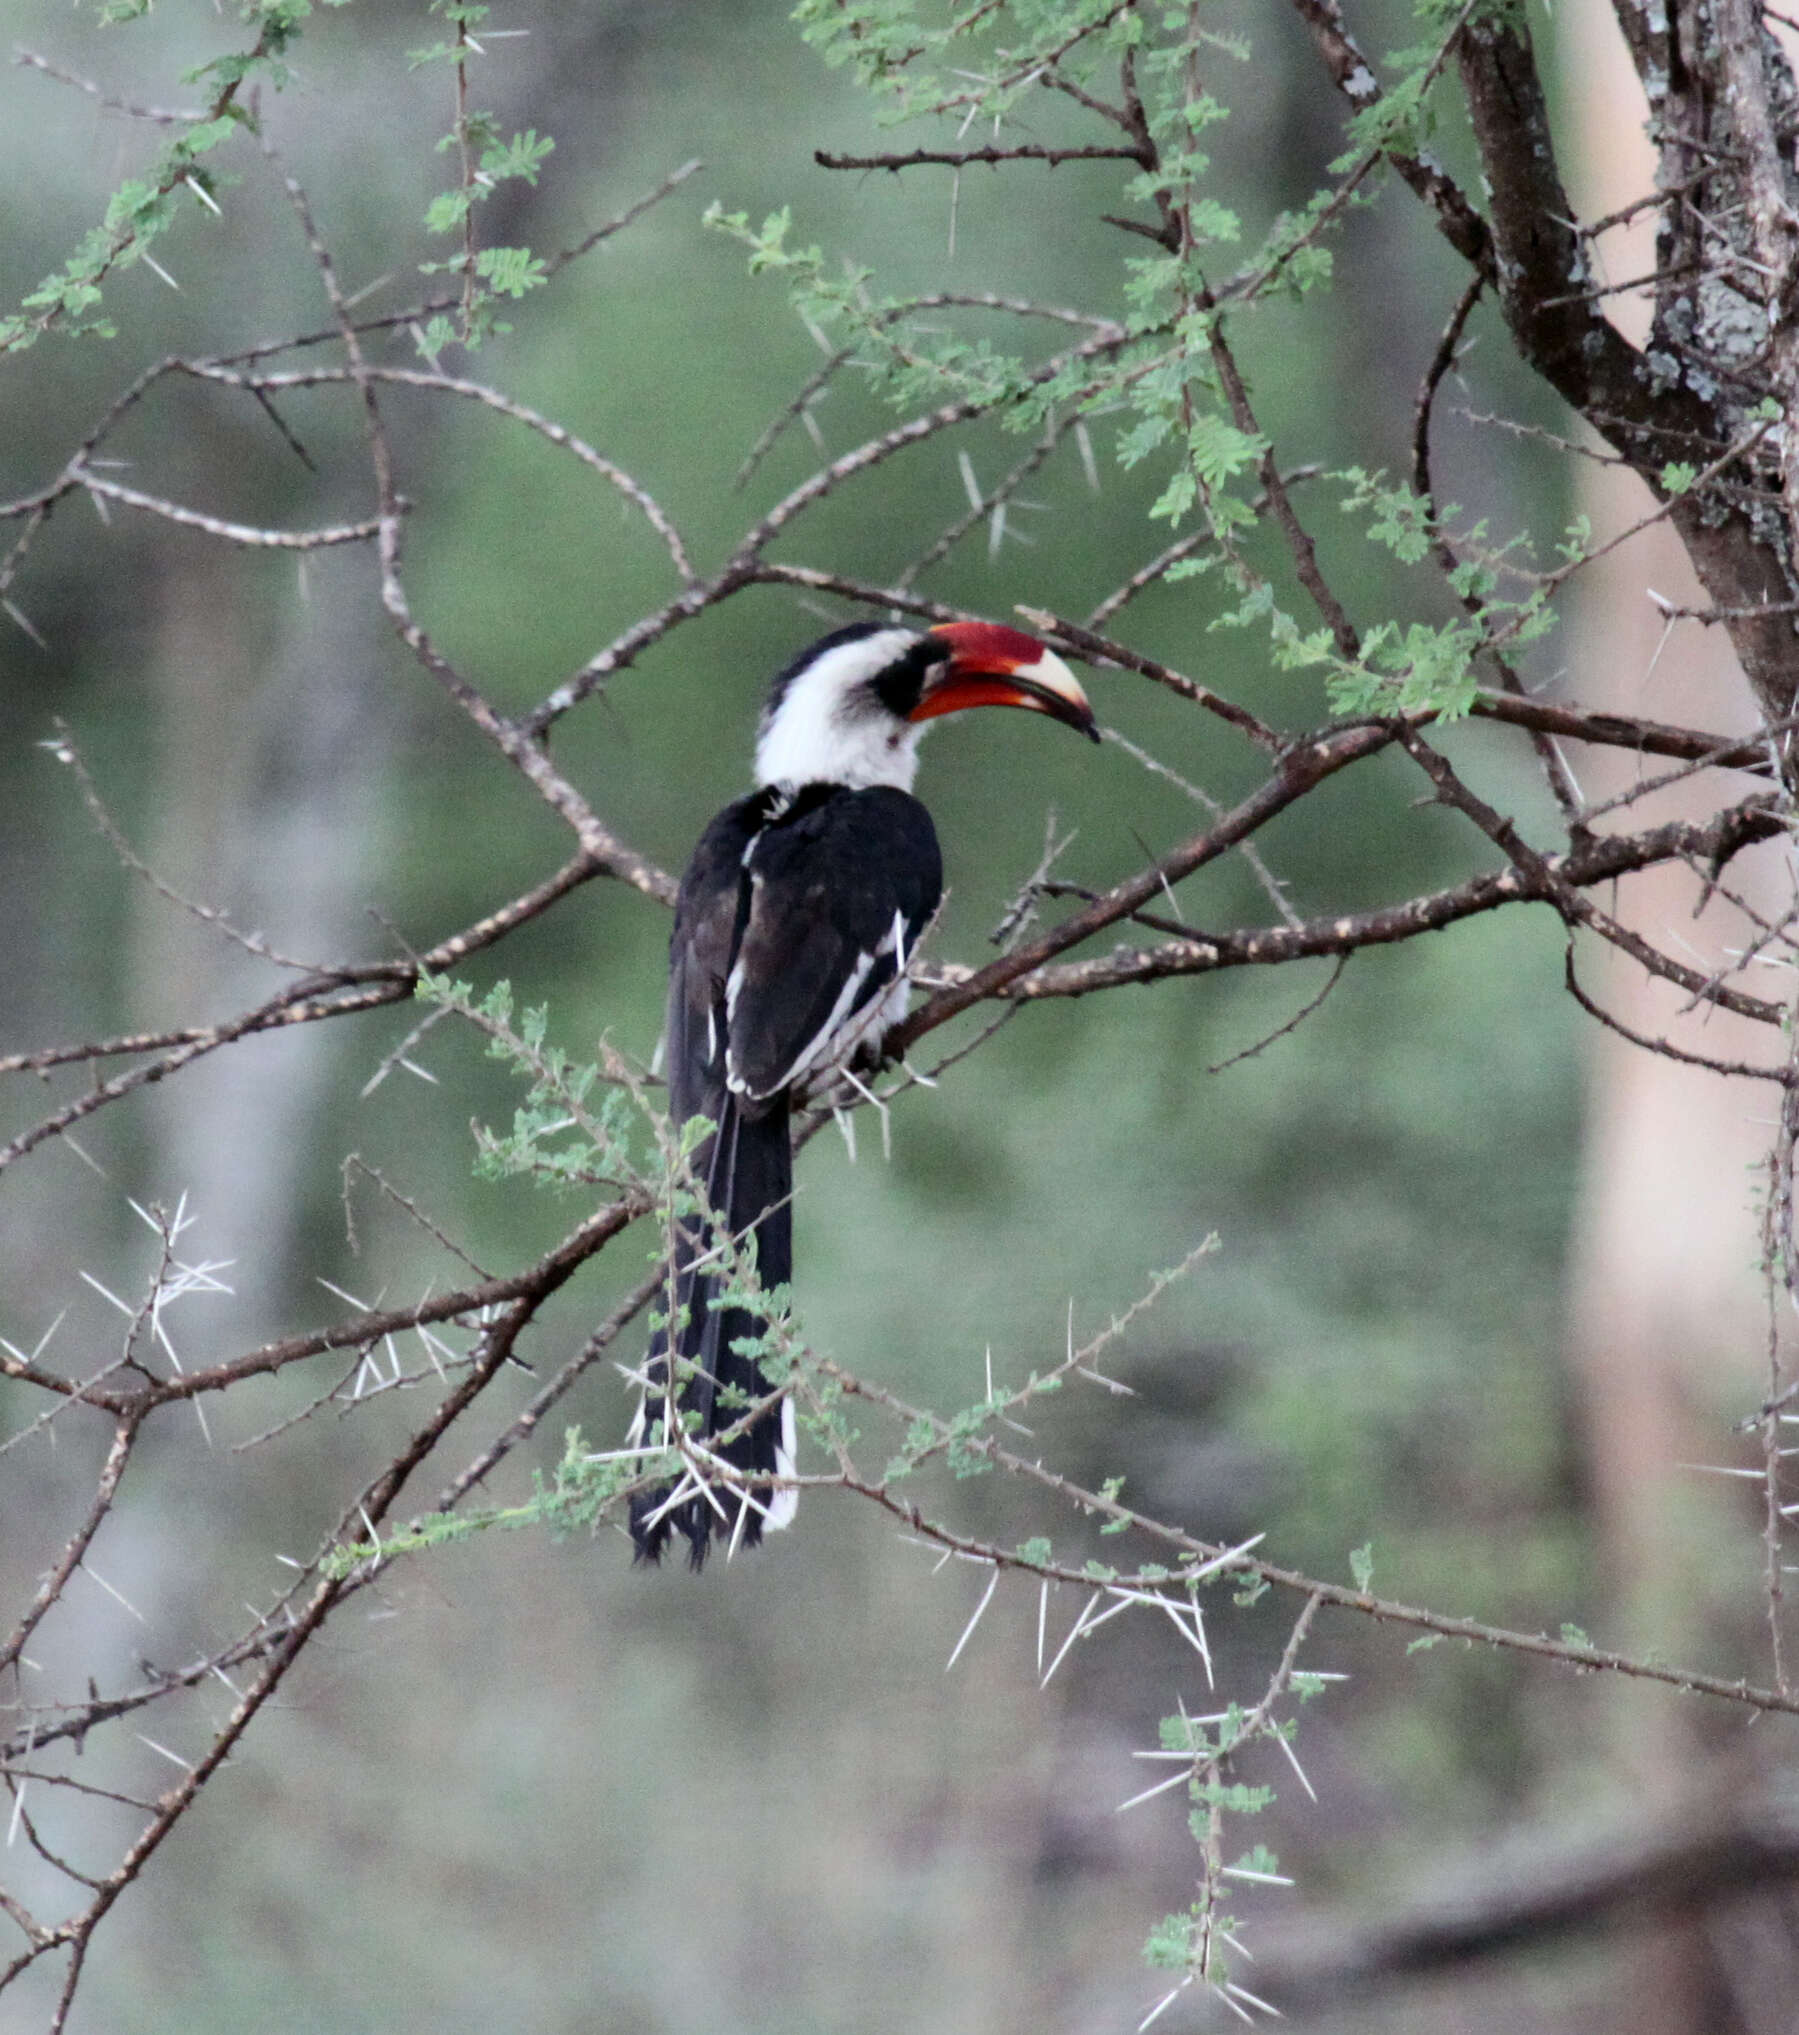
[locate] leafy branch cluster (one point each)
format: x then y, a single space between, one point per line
145 208
487 159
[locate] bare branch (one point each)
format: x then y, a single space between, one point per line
163 116
254 536
957 158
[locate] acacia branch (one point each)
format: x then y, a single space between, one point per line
1540 870
328 1588
1595 860
1457 218
1229 1562
255 537
957 158
50 1588
340 993
1299 770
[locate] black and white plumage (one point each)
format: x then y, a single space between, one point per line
795 925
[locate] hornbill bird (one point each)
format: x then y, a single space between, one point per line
796 922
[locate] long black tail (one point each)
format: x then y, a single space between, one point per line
747 1168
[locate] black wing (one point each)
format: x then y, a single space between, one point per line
841 887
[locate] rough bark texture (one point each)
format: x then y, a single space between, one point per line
1723 106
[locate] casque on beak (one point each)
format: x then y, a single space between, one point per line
990 665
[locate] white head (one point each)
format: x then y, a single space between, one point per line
850 710
825 721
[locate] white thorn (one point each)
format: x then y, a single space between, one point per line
979 1612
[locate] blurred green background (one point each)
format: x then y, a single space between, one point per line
525 1788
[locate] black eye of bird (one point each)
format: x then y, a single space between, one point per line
901 686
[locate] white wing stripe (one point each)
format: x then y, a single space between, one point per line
824 1041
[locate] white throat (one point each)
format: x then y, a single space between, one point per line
829 729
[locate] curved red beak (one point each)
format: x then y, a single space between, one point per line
990 665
